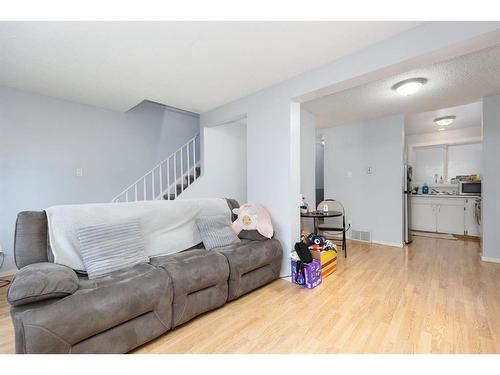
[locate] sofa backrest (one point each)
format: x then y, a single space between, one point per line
30 239
232 203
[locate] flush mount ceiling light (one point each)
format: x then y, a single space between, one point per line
445 120
409 86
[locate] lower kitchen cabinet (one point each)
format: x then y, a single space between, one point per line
450 216
454 215
471 225
423 215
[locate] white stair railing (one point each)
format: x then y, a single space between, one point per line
176 172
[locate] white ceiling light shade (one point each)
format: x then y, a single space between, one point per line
410 86
445 120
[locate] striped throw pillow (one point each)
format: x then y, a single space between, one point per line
216 231
107 248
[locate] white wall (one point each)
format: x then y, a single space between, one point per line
177 128
308 162
308 157
373 202
491 179
225 167
43 140
273 114
320 164
320 170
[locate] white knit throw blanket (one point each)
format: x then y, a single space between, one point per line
167 226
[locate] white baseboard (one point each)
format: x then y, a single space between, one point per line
392 244
7 273
287 278
379 243
491 260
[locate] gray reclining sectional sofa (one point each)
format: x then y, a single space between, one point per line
121 311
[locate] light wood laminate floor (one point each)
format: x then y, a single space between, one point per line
434 296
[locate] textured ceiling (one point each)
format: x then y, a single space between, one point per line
195 66
463 80
468 116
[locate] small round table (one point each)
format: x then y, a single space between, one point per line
320 215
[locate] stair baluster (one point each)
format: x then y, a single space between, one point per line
188 173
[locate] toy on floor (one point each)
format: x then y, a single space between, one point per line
303 235
329 245
253 217
322 250
306 275
314 239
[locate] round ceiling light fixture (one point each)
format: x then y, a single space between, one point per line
410 86
445 120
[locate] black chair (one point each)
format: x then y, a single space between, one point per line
336 224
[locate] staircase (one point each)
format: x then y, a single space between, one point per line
169 178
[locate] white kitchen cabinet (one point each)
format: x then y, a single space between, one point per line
450 216
423 215
454 215
471 224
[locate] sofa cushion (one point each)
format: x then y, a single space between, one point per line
216 231
252 235
41 281
199 279
30 239
106 248
250 255
252 264
96 307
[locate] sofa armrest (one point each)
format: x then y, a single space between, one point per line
113 300
41 281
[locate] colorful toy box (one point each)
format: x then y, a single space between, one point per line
327 259
323 250
312 273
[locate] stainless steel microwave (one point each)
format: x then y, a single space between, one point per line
469 188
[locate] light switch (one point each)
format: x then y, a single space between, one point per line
369 170
79 172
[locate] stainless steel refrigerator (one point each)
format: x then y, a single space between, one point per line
408 172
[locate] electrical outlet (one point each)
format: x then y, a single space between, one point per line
79 172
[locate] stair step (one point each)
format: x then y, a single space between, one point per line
179 190
188 180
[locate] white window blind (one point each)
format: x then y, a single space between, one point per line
464 159
429 161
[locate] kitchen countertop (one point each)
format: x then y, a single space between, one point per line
446 196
